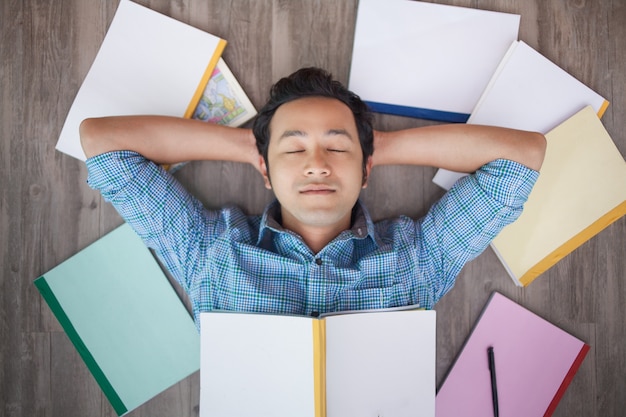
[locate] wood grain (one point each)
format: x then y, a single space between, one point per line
48 213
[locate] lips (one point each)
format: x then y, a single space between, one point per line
314 189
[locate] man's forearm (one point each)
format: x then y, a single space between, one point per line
462 147
168 140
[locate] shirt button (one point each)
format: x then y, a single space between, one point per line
318 261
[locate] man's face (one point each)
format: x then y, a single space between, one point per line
315 163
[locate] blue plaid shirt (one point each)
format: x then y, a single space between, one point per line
229 261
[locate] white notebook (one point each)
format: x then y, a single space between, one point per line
426 60
148 63
528 92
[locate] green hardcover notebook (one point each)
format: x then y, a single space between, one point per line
124 318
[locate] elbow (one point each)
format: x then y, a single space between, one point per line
90 137
86 136
537 151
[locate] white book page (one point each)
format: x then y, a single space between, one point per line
148 64
381 364
425 55
256 365
533 93
528 92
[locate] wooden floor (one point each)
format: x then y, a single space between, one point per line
47 212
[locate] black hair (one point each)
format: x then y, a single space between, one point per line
313 82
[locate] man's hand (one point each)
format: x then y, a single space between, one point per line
458 147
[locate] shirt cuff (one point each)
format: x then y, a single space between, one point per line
508 182
111 172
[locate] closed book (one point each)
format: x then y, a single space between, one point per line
528 92
426 60
148 63
580 191
535 361
124 318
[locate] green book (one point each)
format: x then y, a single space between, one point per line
124 318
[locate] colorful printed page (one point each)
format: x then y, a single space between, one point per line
148 64
534 362
426 60
223 101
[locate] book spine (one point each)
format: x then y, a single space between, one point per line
420 113
567 380
319 364
603 108
205 79
48 295
576 241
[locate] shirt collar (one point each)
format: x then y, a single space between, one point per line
362 225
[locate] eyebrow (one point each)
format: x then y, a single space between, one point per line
290 133
331 132
339 132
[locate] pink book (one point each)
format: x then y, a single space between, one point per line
534 360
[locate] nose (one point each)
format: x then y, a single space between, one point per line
316 164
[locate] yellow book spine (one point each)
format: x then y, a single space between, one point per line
569 246
205 79
603 108
319 364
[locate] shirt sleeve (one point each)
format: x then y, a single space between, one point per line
168 219
462 224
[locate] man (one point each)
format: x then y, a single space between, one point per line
315 249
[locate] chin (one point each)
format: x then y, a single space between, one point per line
324 217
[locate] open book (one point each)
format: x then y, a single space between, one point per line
379 363
148 63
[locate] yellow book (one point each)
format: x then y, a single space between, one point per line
362 363
581 190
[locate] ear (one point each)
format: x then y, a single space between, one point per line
265 173
366 174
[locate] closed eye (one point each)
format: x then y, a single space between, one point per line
337 150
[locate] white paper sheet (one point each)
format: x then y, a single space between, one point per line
148 64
